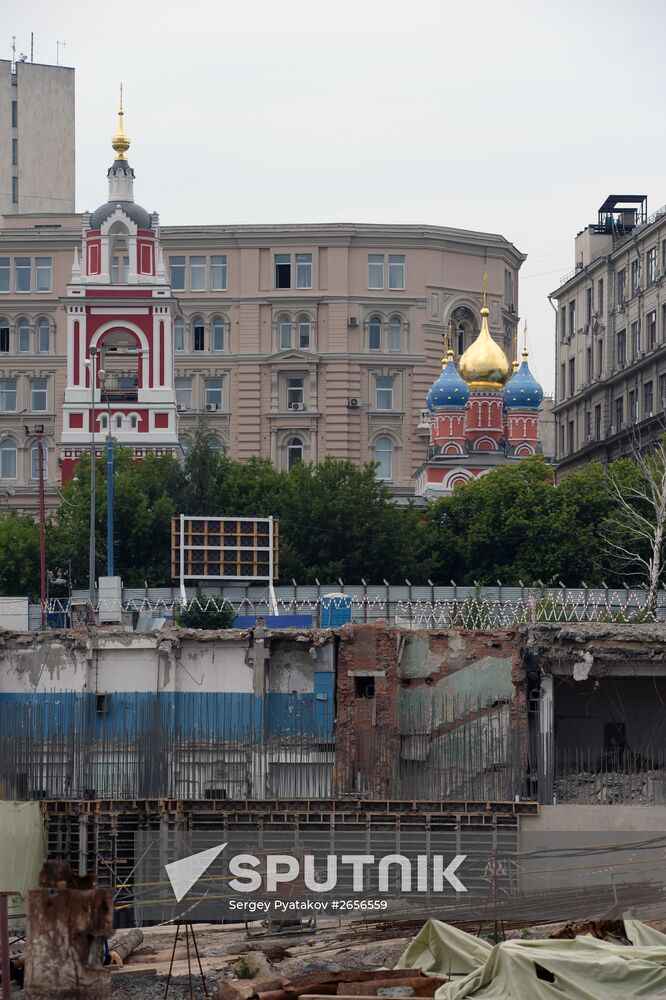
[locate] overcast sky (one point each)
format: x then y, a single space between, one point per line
514 116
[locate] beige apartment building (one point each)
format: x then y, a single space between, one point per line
36 137
611 336
297 342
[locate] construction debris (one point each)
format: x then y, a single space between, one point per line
121 947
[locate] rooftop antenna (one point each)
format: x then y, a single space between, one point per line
58 44
13 53
485 288
32 46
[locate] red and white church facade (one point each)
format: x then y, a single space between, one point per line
478 419
120 366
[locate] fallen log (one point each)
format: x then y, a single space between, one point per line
121 947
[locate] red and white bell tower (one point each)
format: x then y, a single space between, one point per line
119 329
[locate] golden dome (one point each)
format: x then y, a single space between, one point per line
120 142
484 364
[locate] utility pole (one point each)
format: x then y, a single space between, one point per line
109 481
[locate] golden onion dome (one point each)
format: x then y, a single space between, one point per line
120 142
484 364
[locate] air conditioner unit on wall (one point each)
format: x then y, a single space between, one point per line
181 407
352 321
353 402
297 406
211 407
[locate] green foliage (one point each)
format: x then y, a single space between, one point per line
243 970
19 556
206 612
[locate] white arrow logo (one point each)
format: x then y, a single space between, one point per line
185 872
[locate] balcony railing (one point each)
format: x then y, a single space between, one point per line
120 387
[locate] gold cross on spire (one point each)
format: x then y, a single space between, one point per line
485 288
120 142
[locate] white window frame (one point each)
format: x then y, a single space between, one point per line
8 447
197 273
218 273
396 272
44 274
218 325
179 334
295 386
20 270
43 384
177 262
284 325
5 275
43 326
294 444
5 391
282 260
198 323
375 271
303 270
183 392
304 323
375 323
394 334
34 461
214 392
23 335
379 472
384 392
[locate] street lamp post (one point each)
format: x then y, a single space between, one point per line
109 483
42 520
93 485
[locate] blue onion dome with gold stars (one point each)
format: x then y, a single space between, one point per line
522 390
449 390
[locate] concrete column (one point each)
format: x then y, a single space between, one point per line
546 747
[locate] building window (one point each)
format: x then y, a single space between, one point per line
396 271
304 332
43 336
635 339
384 458
621 286
662 391
38 395
563 322
572 439
295 393
394 334
561 439
284 332
663 322
648 400
15 152
600 296
104 422
134 422
198 333
22 274
651 322
597 422
218 273
179 335
588 424
572 376
619 413
14 114
384 393
119 421
588 364
572 318
508 289
34 461
4 336
8 395
622 347
44 273
4 274
294 452
184 393
119 270
197 274
8 459
177 273
303 270
651 264
600 356
283 270
375 333
635 276
214 392
588 305
563 380
23 332
633 408
218 333
15 192
375 270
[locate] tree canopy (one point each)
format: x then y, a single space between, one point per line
336 520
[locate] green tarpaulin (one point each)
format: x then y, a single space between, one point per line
582 969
